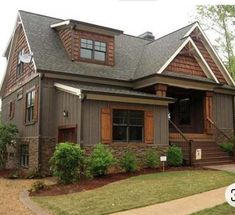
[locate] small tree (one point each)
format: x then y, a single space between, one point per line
101 158
174 156
8 134
129 162
67 161
152 159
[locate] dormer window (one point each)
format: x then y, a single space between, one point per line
93 50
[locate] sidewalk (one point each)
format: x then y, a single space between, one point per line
183 206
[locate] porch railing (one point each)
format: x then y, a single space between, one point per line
183 142
218 129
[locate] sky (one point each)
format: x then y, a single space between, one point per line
132 16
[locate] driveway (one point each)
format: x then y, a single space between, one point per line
9 196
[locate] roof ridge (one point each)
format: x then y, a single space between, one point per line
137 37
37 14
172 32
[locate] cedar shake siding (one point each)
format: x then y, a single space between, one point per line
13 81
71 41
186 64
66 38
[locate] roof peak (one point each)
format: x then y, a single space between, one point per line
42 15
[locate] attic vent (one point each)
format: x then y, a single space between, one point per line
147 35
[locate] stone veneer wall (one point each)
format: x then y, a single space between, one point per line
13 161
140 150
47 148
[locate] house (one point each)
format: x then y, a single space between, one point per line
89 84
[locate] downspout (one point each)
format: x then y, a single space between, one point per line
39 120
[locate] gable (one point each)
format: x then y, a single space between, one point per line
198 41
185 63
11 81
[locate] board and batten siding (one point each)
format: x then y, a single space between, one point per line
19 111
223 110
91 126
53 104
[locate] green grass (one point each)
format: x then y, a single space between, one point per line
224 209
136 192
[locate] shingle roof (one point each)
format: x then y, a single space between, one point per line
134 57
113 91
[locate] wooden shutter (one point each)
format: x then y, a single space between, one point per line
208 111
106 125
148 127
35 114
24 108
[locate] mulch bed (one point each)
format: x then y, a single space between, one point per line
4 173
83 185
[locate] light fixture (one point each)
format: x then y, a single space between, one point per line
65 113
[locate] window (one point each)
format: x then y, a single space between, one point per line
93 50
184 111
30 102
24 155
100 51
86 48
20 66
11 110
128 125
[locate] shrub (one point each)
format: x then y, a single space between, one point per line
38 185
8 134
101 158
174 156
152 159
66 162
227 147
128 162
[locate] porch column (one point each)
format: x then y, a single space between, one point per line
208 112
160 89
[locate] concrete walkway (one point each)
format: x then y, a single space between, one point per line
183 206
225 167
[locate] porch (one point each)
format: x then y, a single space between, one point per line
192 126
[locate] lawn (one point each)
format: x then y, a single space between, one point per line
136 191
224 209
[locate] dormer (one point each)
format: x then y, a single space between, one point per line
85 42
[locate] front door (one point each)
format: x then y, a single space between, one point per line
67 135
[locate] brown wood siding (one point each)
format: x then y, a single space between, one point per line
223 110
66 38
91 114
12 81
49 107
185 64
53 104
210 61
107 39
19 114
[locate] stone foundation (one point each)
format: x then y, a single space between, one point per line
13 160
139 150
47 148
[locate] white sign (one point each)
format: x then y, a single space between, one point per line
230 195
163 158
198 154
